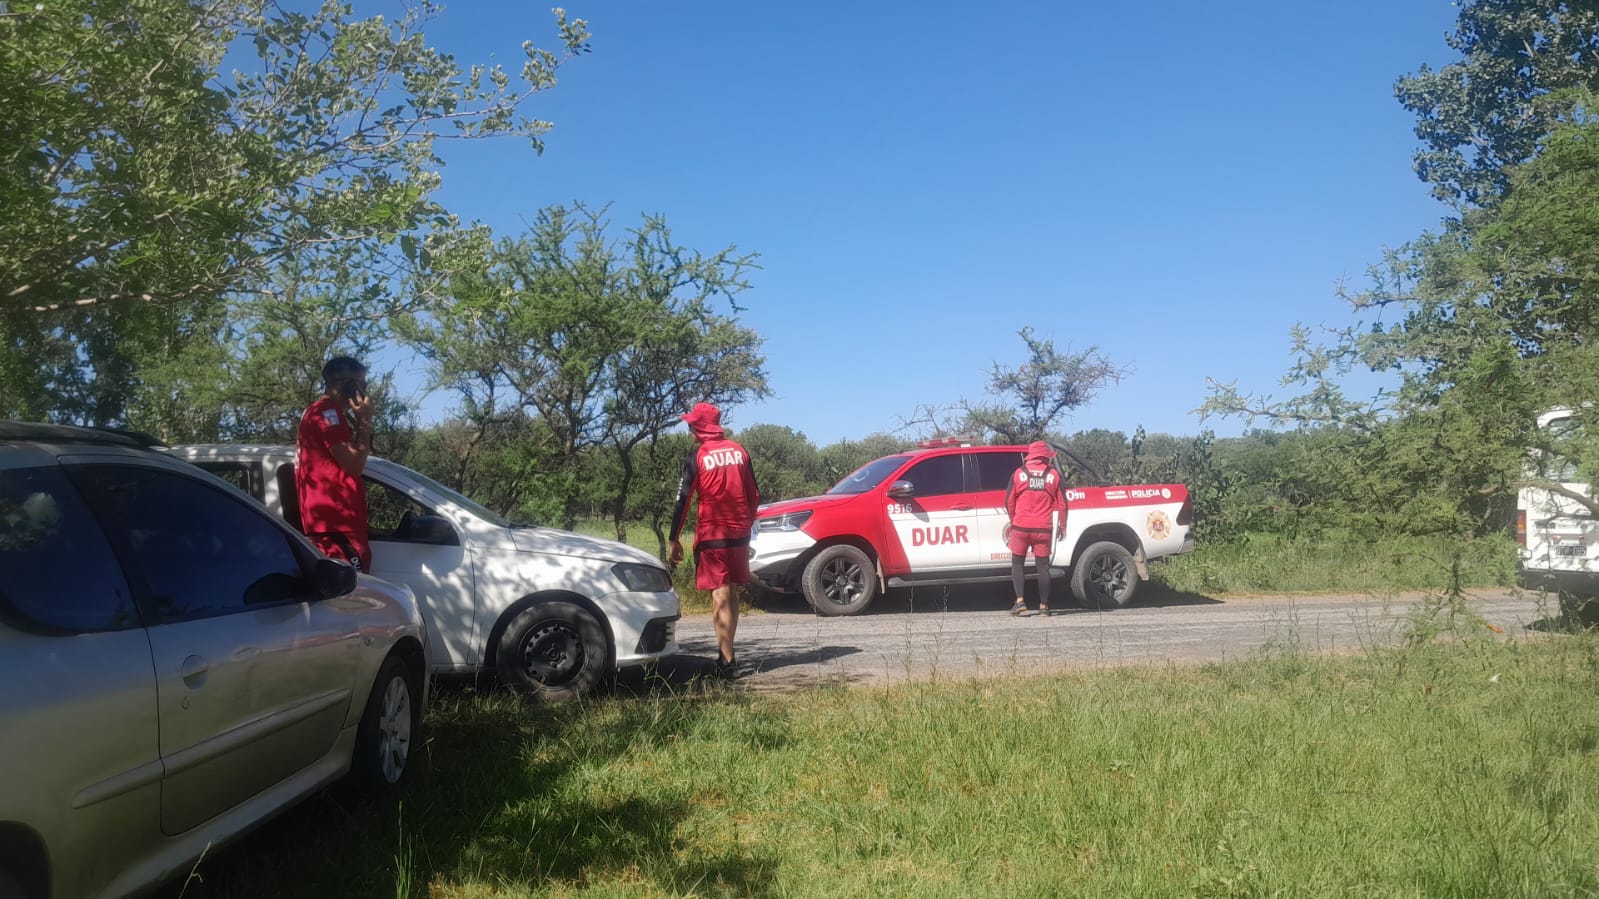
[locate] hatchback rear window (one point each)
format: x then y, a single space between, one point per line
57 571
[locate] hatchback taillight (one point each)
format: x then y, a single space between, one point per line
1521 527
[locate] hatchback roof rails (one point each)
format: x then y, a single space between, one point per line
13 431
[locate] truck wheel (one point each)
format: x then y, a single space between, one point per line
840 580
1104 576
553 652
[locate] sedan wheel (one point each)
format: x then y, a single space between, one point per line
554 652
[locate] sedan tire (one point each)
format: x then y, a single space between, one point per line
553 652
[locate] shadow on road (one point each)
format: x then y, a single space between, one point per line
687 673
985 598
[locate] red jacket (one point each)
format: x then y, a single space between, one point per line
719 470
1035 493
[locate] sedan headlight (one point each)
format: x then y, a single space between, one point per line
642 578
790 521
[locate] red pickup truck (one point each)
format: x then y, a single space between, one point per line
936 515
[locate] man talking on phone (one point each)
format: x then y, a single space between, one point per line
335 440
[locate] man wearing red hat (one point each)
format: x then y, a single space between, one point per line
720 471
1037 510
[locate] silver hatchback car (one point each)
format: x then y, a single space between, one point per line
176 665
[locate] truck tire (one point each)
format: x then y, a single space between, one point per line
839 580
1104 576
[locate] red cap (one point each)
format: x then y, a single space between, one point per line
705 420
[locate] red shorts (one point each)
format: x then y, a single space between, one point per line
720 566
351 548
1023 539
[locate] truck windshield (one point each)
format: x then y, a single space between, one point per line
868 476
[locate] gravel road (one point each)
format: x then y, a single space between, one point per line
966 632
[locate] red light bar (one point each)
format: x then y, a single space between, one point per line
937 442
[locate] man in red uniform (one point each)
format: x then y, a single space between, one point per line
1037 510
335 440
720 471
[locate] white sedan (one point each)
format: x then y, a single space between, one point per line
552 613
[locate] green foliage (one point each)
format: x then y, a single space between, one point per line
787 466
134 168
1486 113
605 342
1487 322
1334 561
183 245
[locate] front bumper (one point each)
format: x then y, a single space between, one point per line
774 556
1554 580
643 626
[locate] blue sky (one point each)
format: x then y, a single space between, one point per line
1174 183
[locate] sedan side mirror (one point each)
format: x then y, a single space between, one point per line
434 529
332 578
902 490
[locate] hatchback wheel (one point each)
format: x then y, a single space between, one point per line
389 727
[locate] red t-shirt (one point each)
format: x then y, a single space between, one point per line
719 470
332 501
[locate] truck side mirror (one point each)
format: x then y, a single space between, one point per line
902 490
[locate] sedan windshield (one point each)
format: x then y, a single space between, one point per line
868 476
481 511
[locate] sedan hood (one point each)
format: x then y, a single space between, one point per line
567 543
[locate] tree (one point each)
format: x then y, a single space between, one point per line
133 168
159 209
1492 318
1482 115
605 343
787 465
1032 397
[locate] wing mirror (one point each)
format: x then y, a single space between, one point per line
332 578
902 490
432 529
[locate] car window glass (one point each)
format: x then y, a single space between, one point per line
58 571
868 476
937 476
994 469
386 509
289 496
198 550
235 473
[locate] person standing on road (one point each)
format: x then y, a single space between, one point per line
1037 510
720 471
335 440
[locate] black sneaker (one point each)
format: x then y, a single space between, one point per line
726 669
1043 611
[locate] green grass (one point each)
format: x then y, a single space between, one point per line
1265 563
1464 767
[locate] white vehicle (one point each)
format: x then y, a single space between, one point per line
1559 536
552 613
